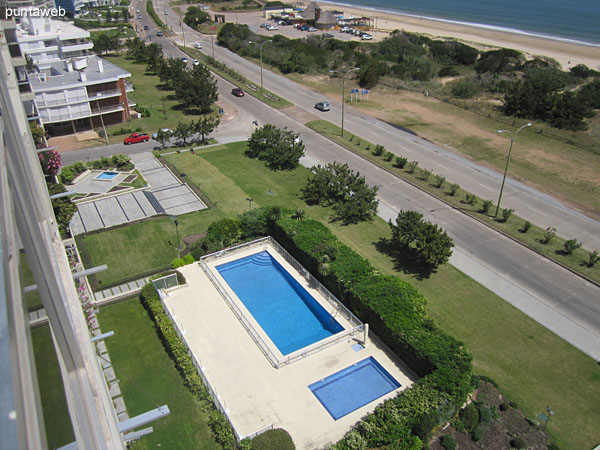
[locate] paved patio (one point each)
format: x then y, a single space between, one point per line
254 393
164 195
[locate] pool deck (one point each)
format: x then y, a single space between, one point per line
254 393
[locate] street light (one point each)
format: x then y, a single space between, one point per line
512 139
250 200
343 80
260 46
176 222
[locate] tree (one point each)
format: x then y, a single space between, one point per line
163 137
197 89
183 131
571 245
194 16
206 125
63 207
337 185
106 42
280 149
427 243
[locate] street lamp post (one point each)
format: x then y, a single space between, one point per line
176 222
512 140
250 200
344 73
260 46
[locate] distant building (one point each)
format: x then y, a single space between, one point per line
326 21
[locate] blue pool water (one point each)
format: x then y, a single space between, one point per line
289 315
353 387
107 175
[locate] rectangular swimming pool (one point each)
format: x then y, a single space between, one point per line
289 315
353 387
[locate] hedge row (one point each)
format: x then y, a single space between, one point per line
397 313
178 351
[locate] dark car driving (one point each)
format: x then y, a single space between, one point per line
237 92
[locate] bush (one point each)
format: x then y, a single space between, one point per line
526 226
277 439
485 207
504 406
570 246
549 234
469 417
401 162
453 189
470 199
122 131
67 175
518 442
485 415
439 181
479 432
448 442
188 259
222 430
594 257
412 166
122 161
506 213
379 149
177 262
197 251
425 174
388 156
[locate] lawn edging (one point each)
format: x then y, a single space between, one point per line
310 125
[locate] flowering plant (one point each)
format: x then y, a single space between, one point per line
50 161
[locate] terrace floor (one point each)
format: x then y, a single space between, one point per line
254 393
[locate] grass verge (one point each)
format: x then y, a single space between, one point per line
425 180
147 377
533 366
269 98
59 430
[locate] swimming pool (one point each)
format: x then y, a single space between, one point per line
288 314
353 387
107 176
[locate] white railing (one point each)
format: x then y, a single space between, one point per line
339 308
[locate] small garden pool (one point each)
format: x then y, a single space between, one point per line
353 387
107 176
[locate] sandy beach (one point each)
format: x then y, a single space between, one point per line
566 53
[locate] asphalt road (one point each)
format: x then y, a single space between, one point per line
555 297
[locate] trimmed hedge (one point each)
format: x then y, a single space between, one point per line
397 313
178 351
277 439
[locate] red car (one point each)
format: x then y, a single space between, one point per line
135 138
237 92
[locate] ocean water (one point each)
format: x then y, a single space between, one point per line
570 20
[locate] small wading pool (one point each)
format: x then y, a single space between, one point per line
106 176
353 387
289 315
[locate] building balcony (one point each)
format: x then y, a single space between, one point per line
76 47
62 101
104 94
96 111
128 86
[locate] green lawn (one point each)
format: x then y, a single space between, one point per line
147 378
553 250
533 367
59 431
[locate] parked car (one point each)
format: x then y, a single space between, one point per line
357 32
327 35
140 16
146 27
184 59
303 27
272 27
137 11
164 130
135 138
366 37
196 62
159 33
322 106
310 29
237 92
198 45
265 25
345 30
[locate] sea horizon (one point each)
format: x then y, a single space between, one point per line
587 33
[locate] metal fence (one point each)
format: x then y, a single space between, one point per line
338 307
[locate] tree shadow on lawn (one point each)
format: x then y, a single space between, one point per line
404 262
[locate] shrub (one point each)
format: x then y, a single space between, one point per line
470 199
506 213
79 167
177 262
448 442
570 246
277 439
122 131
469 417
594 257
425 174
453 189
485 207
439 181
504 406
526 226
549 234
518 442
188 259
412 166
197 251
401 162
67 175
485 415
222 430
479 432
121 161
388 156
50 161
379 149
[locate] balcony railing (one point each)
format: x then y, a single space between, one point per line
104 94
62 101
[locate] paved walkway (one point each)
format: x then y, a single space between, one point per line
165 195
